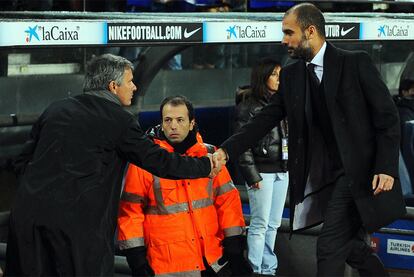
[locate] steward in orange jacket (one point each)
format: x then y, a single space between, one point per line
181 226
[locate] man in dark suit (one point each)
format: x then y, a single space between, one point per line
64 215
343 144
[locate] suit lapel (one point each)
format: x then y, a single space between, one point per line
300 87
332 68
299 83
295 78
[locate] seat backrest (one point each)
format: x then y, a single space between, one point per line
405 179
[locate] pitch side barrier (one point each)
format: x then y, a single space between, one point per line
30 31
42 29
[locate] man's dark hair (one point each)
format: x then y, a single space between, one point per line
308 14
176 101
405 84
260 73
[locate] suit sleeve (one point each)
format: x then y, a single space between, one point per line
246 160
228 205
259 125
131 209
384 115
137 148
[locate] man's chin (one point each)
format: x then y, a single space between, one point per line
292 54
174 140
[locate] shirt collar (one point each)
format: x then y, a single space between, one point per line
318 59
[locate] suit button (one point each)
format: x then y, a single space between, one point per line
300 140
296 161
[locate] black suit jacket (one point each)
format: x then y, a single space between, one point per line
365 124
70 188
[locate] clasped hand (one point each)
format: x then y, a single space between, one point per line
217 160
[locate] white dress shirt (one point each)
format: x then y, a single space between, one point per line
318 62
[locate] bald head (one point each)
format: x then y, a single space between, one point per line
308 14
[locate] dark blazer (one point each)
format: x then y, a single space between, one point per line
365 124
71 184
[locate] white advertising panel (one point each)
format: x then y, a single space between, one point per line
387 30
400 247
228 32
52 33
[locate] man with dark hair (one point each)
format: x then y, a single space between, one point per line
405 105
343 144
405 102
64 216
181 227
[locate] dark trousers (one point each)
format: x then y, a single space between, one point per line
40 251
342 239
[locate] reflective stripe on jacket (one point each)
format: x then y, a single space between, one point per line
179 221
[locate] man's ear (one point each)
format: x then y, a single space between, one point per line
310 31
112 87
192 123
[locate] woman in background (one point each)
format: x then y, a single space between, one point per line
264 169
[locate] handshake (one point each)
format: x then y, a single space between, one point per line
217 160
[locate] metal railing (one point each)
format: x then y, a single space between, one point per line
17 120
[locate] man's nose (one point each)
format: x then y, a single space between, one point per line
134 88
174 124
284 40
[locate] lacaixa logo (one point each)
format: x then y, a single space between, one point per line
51 33
31 32
393 30
247 31
231 32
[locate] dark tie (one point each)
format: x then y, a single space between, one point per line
312 74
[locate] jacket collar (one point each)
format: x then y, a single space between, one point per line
332 71
318 59
196 150
105 94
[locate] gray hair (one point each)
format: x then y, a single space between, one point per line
102 70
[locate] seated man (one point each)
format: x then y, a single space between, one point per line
405 100
181 226
405 105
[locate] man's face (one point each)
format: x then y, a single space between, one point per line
176 123
126 89
409 93
294 39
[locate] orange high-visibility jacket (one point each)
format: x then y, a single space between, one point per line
179 221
